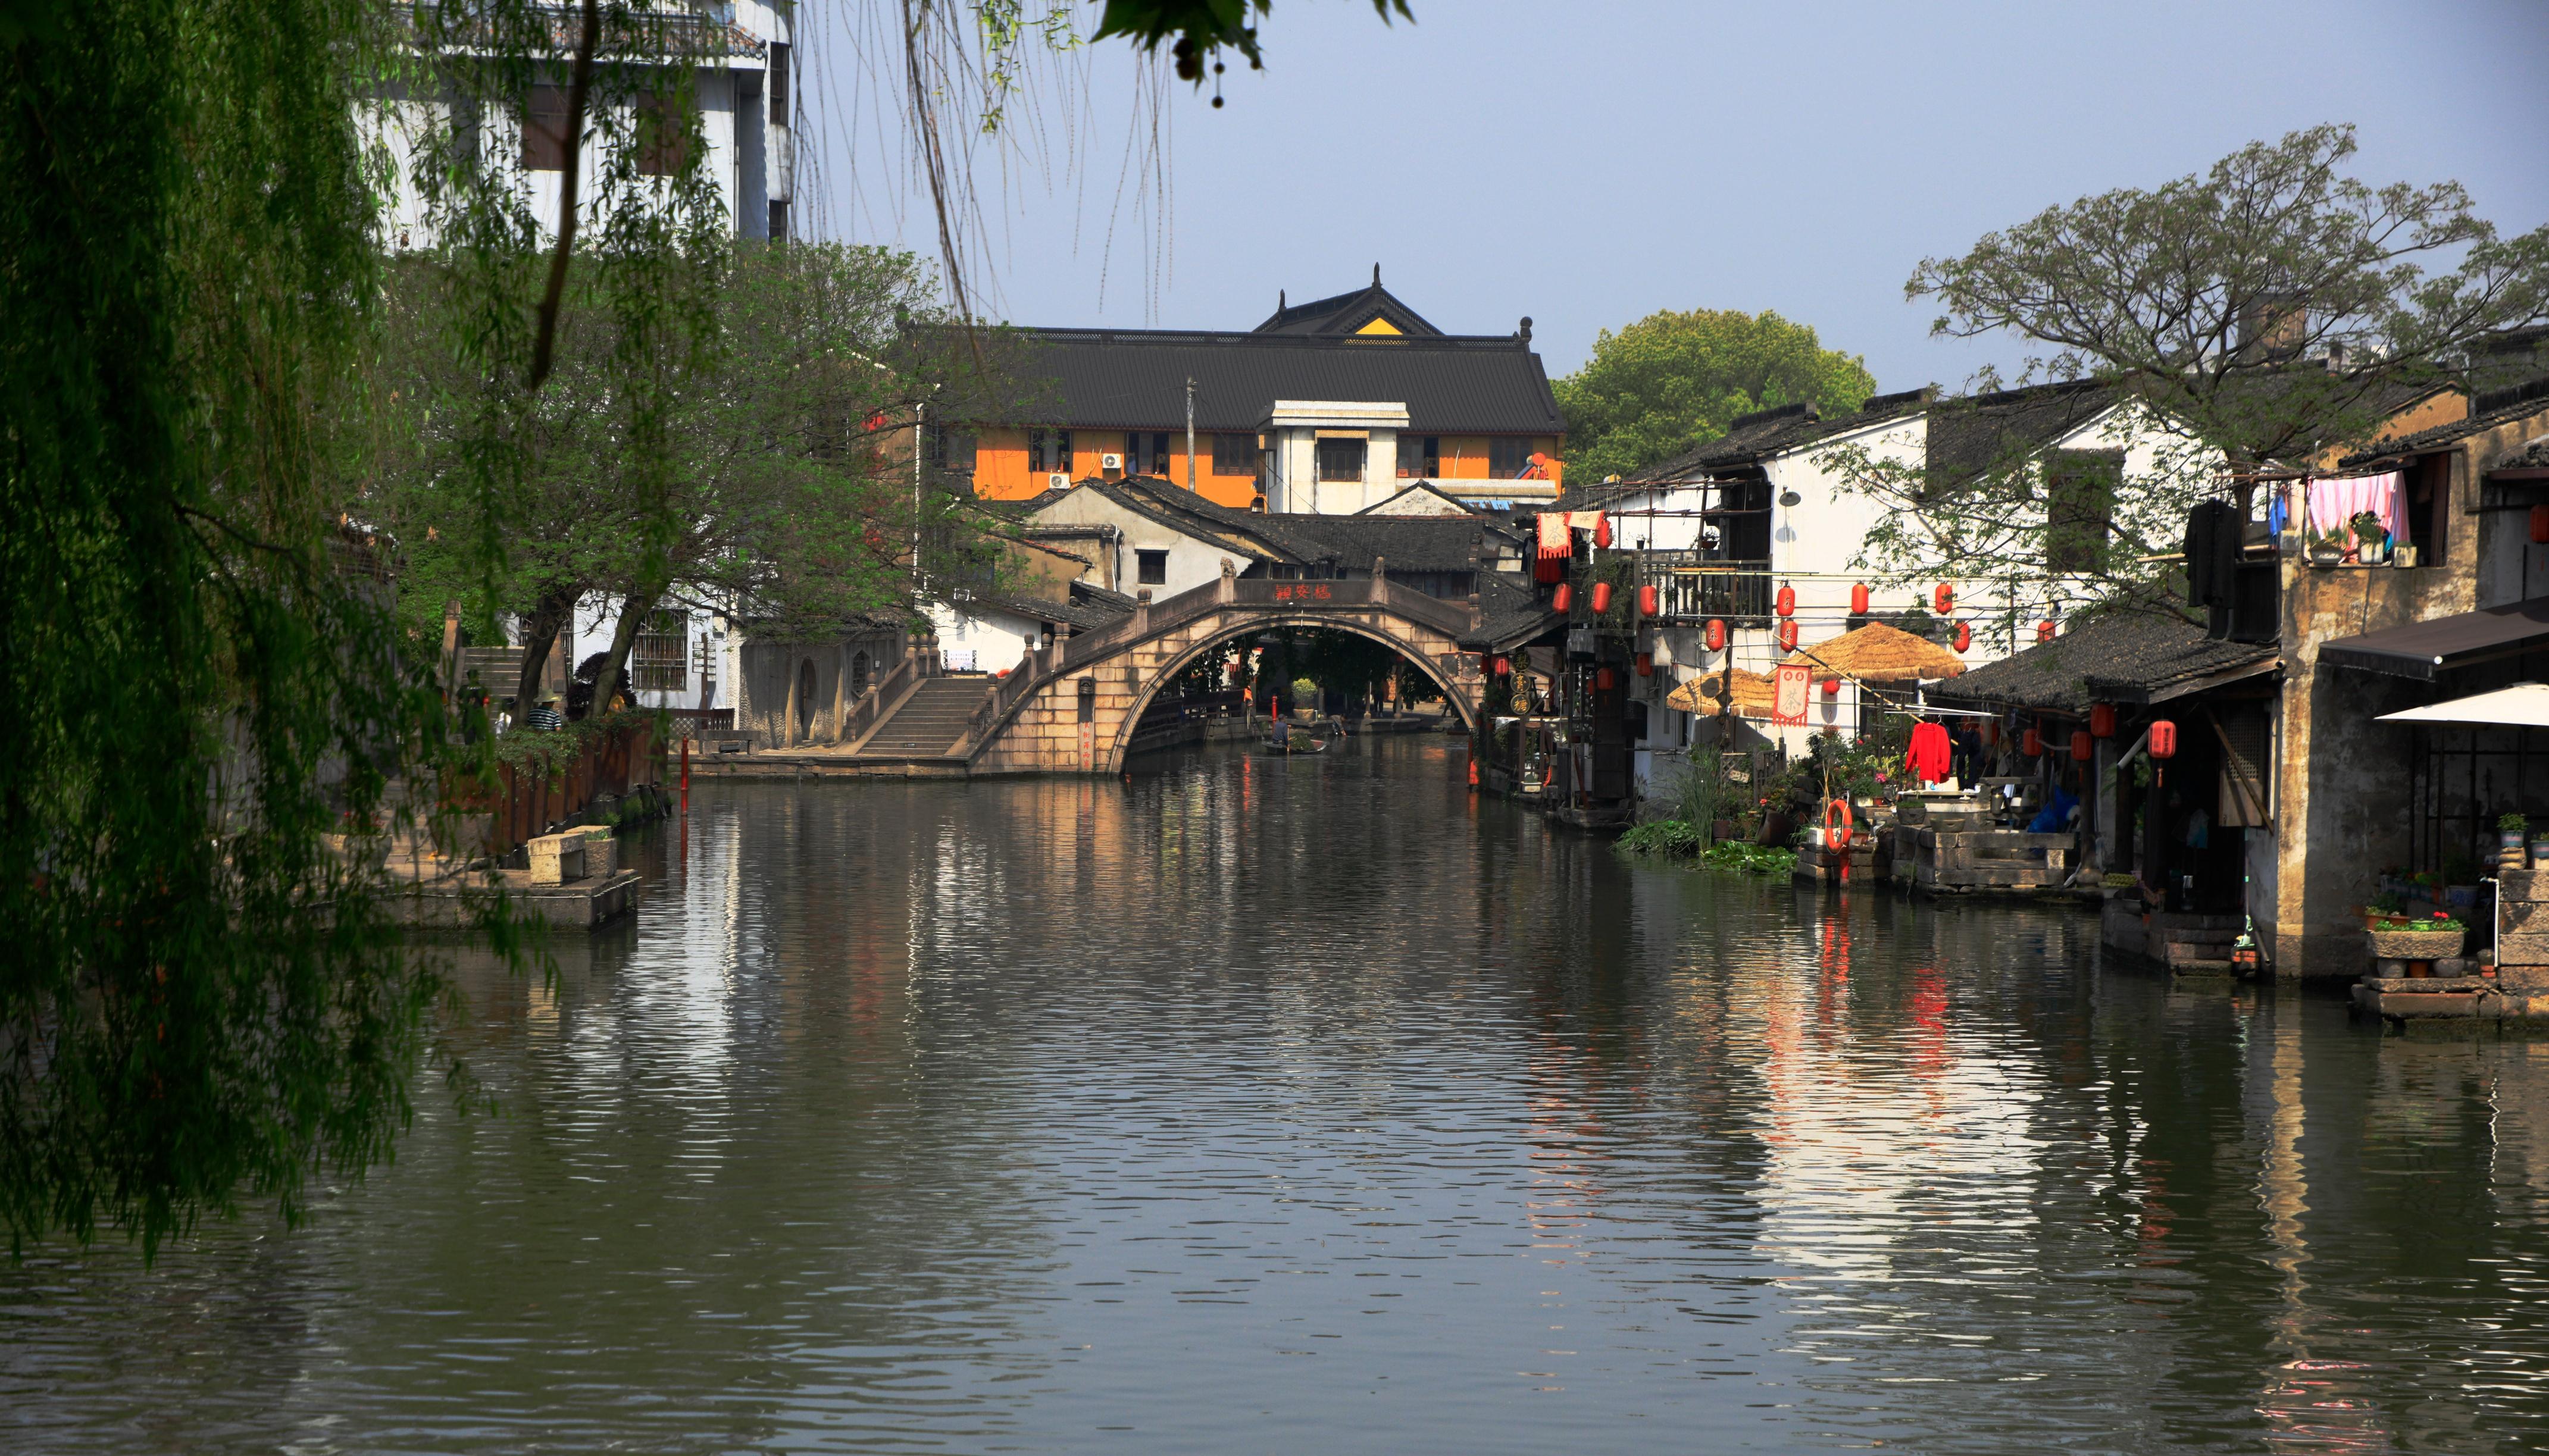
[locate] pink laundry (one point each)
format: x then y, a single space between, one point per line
2333 502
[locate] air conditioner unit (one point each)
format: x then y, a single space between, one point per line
1110 462
1058 481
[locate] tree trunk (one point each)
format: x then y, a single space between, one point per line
633 616
540 639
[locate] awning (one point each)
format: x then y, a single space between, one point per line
2522 705
2424 649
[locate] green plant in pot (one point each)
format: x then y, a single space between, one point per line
2511 832
2371 537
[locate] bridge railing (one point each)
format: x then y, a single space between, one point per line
869 711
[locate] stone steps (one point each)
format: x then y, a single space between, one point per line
930 722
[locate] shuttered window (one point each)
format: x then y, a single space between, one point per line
2248 796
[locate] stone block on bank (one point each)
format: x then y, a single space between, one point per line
556 859
601 851
2522 885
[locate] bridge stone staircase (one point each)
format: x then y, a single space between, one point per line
929 721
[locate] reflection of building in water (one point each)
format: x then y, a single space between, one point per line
1878 1126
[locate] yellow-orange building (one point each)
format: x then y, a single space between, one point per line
1328 407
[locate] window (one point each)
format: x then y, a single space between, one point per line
663 135
1151 568
951 449
1508 456
2429 499
659 663
1159 465
1234 454
779 220
1420 457
1049 449
1342 460
778 84
545 129
2079 508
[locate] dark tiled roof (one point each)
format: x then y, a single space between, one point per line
1084 611
1130 379
1975 434
1347 311
1762 435
1415 543
2097 654
1179 508
2487 412
1510 611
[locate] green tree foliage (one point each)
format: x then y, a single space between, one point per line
1672 380
199 997
2272 310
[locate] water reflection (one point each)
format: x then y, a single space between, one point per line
1315 1102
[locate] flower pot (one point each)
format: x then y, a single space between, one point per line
2540 848
2415 944
2508 843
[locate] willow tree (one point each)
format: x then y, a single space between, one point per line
2270 312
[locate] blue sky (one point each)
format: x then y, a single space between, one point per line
1588 163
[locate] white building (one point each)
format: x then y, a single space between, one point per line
733 55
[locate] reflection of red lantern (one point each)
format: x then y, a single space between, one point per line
1858 599
2540 525
1945 599
1564 600
2082 744
1965 632
2163 739
2102 720
1504 666
1602 531
1788 635
2043 631
1787 606
1601 598
1831 687
1646 665
1603 680
2031 744
1650 600
1717 634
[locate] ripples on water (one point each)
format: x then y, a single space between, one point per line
1313 1106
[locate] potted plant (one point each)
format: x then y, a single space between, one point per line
2322 548
2509 841
2371 537
2541 847
2427 938
2384 911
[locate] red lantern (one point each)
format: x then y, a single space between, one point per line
1649 602
1831 687
1787 600
2031 744
1548 569
1504 666
1991 733
1601 598
2163 739
1717 634
1646 665
1788 635
1602 530
1564 600
2082 744
1964 633
1945 599
2540 525
2102 720
1603 679
2043 631
1858 599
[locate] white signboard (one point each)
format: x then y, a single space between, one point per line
1789 684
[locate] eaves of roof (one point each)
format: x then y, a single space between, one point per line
1768 434
2499 407
2121 654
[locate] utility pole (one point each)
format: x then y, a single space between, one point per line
919 455
1191 460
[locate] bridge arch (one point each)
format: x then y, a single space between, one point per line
1253 623
1071 707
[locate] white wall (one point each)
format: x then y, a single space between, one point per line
1193 560
997 638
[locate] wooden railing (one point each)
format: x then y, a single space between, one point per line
1692 586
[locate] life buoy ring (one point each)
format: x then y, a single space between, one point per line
1838 837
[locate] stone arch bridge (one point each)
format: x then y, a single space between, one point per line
1072 707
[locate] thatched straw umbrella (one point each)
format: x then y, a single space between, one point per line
1877 653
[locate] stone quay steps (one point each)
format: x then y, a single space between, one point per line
931 720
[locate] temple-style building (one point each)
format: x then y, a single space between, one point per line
1328 407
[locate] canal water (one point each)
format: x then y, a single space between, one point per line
1276 1106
